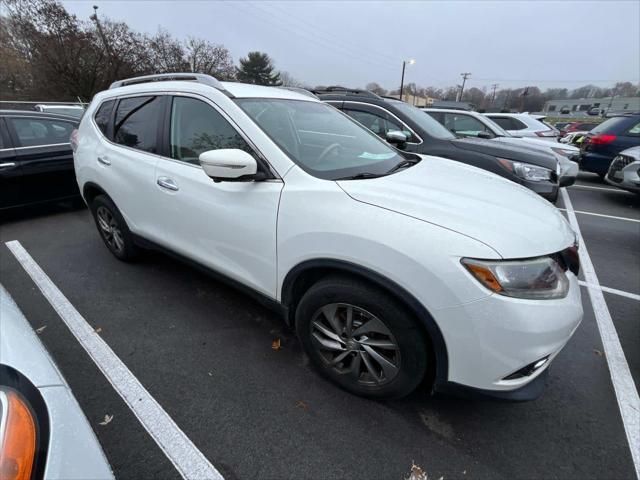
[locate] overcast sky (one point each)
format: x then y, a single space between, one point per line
513 43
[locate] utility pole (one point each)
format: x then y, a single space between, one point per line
493 97
464 80
522 95
404 64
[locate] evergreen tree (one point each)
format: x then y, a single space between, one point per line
258 68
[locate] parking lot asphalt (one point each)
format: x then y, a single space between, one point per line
204 351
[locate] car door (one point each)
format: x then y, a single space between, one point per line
10 171
228 226
44 153
128 162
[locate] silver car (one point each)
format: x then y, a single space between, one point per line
624 171
43 432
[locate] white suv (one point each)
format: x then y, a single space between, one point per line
394 268
525 125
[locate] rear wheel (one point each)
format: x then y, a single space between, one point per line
361 338
113 229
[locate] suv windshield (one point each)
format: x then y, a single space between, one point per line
323 141
426 122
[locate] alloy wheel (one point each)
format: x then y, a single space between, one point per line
110 229
355 343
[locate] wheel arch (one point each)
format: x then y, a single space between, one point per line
91 190
302 276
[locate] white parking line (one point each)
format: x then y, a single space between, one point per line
602 215
615 291
185 456
616 190
625 389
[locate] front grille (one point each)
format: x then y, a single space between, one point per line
619 163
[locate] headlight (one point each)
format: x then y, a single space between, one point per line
538 278
526 171
17 436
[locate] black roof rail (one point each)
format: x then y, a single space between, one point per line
168 77
345 91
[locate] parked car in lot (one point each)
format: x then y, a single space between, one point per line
475 125
75 111
394 268
43 432
525 125
624 171
602 144
36 160
411 130
577 127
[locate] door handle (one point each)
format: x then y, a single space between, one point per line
104 160
168 183
7 165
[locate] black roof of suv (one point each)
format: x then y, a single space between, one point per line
425 135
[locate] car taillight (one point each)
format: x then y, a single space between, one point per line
74 140
601 139
547 133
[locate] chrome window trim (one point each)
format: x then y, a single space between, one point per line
344 105
34 146
185 94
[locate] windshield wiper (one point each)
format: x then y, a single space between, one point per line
404 164
360 176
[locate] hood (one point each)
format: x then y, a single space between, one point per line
537 144
633 152
507 217
510 152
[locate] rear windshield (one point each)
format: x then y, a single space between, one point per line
608 124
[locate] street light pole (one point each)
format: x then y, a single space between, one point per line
404 64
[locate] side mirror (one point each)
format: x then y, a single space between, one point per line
228 164
485 135
396 137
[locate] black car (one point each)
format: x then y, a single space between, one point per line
412 130
36 161
607 140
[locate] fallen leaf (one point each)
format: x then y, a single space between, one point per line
417 473
210 374
39 330
107 420
302 405
598 352
98 330
276 344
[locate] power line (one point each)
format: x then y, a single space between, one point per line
339 49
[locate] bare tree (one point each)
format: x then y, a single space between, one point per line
375 88
203 56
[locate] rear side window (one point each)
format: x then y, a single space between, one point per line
103 115
197 127
504 122
608 125
136 123
36 132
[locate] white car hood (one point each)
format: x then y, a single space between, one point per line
507 217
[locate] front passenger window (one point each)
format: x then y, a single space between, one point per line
197 127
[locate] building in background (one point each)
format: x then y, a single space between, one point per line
591 106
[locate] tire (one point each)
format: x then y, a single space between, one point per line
113 229
379 323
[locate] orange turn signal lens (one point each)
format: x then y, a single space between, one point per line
485 276
18 441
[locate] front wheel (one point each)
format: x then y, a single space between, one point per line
361 338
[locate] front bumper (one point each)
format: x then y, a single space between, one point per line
491 338
546 189
627 178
